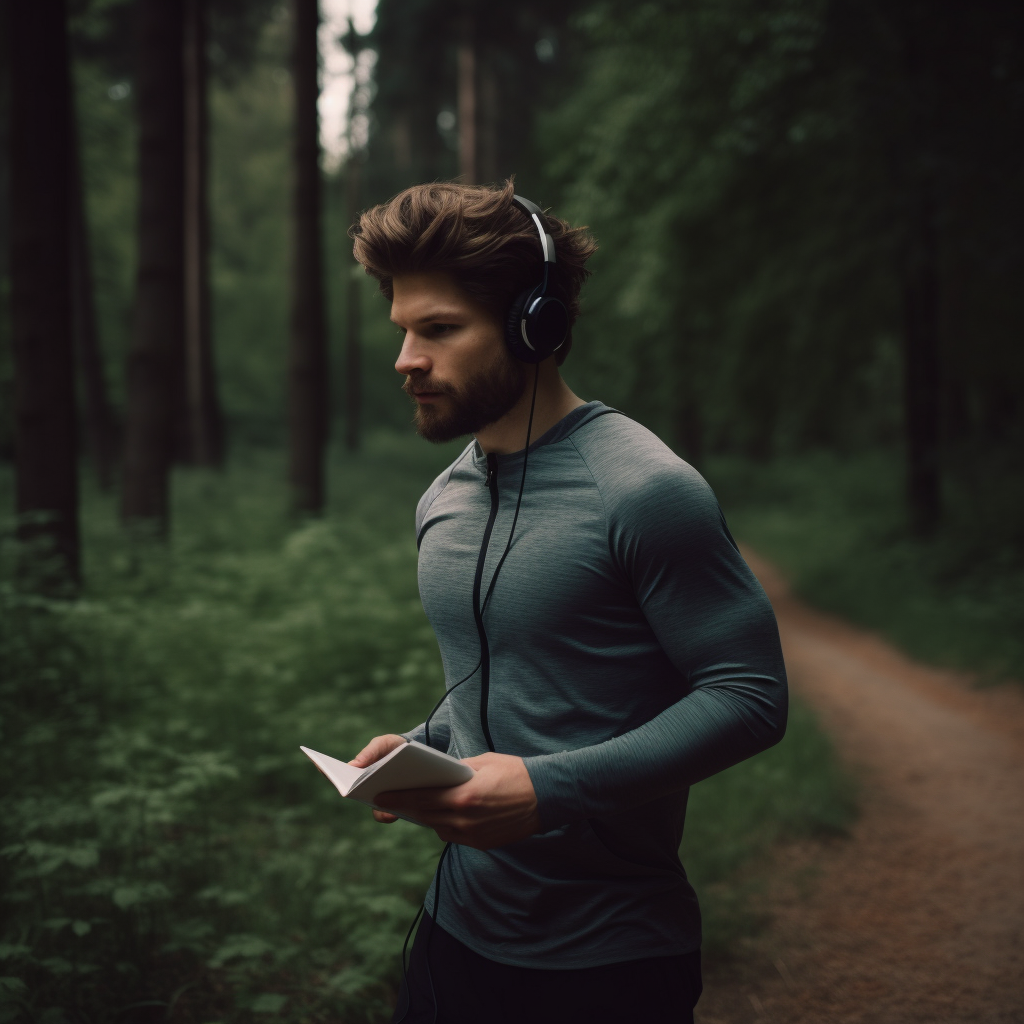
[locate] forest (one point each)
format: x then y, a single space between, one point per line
810 219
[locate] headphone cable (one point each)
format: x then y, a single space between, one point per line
483 701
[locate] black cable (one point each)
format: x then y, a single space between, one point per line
408 935
522 485
501 562
478 615
433 925
478 612
443 698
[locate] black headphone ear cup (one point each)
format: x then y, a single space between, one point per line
547 324
536 326
514 339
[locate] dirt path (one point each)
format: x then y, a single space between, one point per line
919 915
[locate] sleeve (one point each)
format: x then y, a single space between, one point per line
440 731
715 623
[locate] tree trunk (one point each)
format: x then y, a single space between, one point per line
308 350
921 372
156 357
487 117
205 426
99 417
45 421
467 101
353 341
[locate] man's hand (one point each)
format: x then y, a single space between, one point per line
496 807
377 748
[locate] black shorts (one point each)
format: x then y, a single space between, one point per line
470 989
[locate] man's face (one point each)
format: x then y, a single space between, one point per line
457 369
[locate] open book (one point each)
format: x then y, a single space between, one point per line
413 765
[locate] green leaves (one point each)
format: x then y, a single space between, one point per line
240 947
140 894
159 820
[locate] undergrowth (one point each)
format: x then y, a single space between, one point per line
167 852
837 526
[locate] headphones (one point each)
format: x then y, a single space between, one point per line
537 323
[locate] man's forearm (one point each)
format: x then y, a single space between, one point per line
712 728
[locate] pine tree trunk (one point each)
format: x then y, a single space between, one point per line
467 100
353 340
205 426
46 447
99 417
488 115
307 376
921 372
156 357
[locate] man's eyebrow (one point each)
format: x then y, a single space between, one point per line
444 315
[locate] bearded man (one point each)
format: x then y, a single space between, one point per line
625 653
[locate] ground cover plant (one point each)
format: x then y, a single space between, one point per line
837 526
167 852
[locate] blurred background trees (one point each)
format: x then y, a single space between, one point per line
811 224
782 192
808 214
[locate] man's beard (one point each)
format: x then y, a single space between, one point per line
482 400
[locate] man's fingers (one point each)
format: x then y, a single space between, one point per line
383 817
436 799
376 749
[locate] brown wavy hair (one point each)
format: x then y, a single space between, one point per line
476 234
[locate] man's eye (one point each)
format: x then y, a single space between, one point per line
439 329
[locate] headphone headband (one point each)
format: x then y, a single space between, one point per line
537 323
533 211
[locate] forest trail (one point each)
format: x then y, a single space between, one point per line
918 916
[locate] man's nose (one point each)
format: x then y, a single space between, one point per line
413 358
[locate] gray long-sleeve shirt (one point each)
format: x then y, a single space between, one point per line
632 653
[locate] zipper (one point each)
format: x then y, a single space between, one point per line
478 614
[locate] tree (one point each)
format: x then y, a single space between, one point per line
490 64
156 357
307 363
790 197
467 98
204 423
353 310
99 416
45 420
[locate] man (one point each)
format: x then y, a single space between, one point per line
624 652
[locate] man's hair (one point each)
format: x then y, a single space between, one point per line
476 234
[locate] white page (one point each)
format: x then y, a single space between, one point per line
344 776
410 766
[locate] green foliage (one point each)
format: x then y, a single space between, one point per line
250 174
717 180
794 790
836 527
163 841
250 105
156 809
756 175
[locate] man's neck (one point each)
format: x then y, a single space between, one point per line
554 402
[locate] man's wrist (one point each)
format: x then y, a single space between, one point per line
556 790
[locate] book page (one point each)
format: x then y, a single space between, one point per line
344 776
411 766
